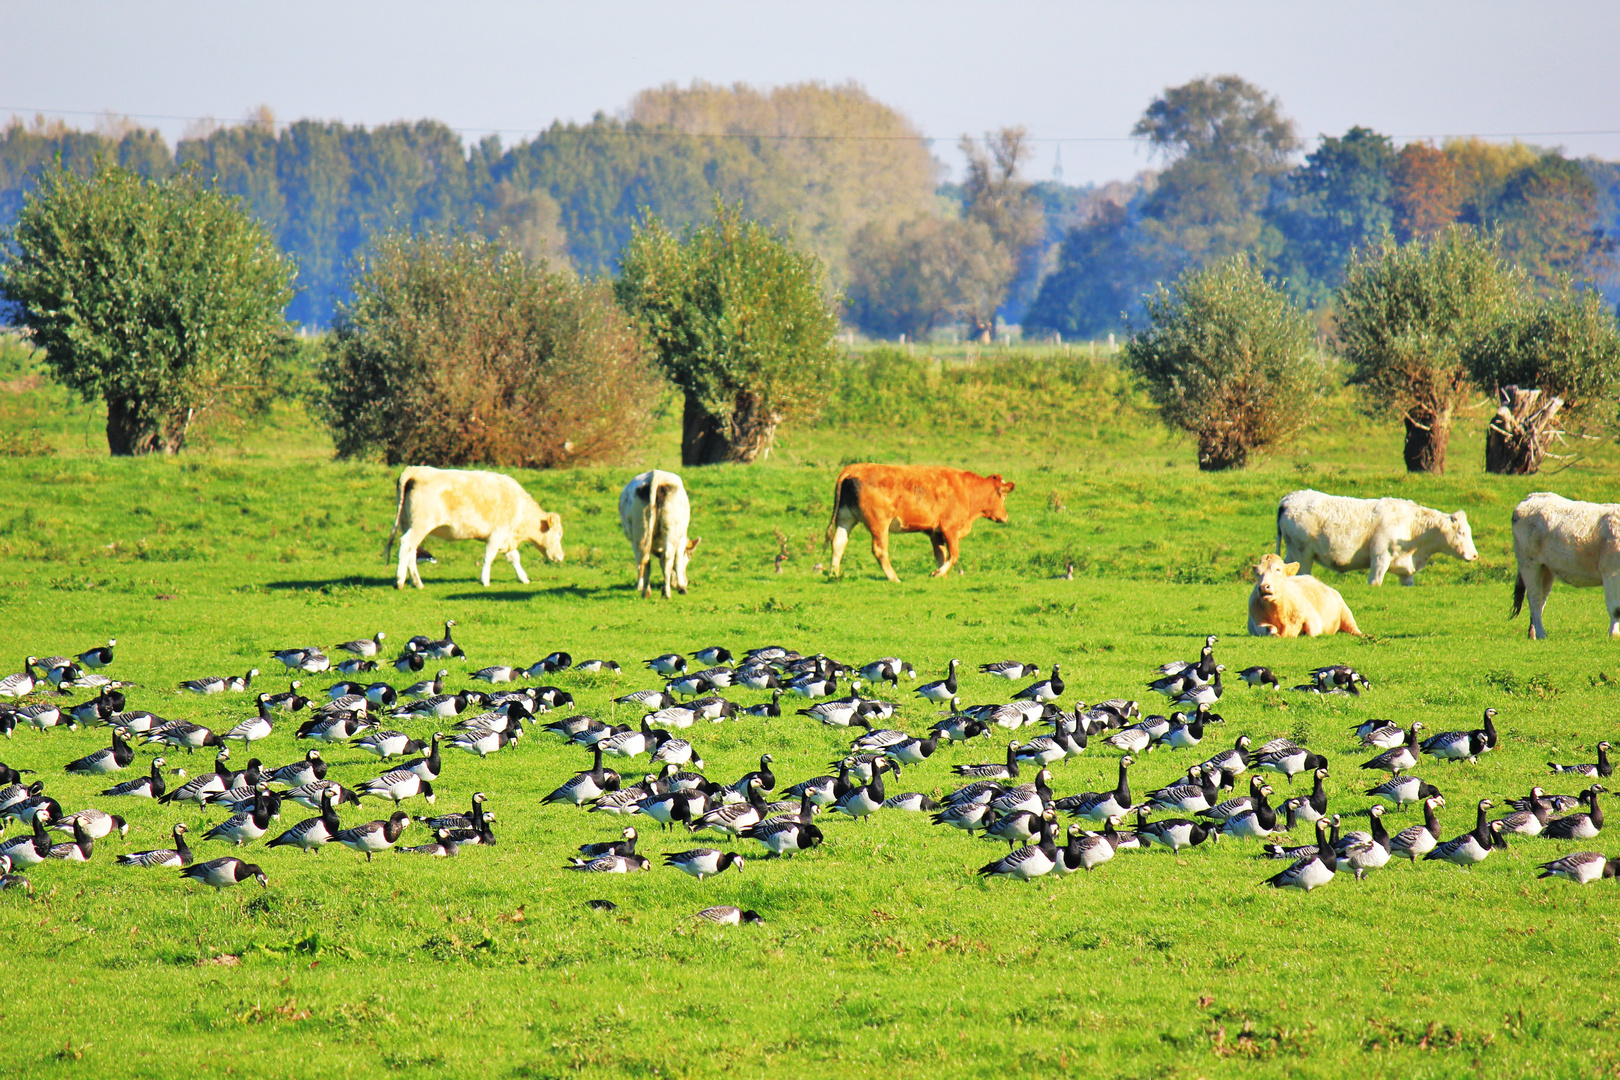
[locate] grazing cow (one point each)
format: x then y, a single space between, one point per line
460 504
1376 535
944 503
1285 605
656 515
1578 543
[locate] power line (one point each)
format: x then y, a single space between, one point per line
656 134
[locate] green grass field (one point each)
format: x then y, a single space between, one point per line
883 953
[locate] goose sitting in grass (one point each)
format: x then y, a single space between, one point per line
108 760
28 850
150 786
224 873
315 832
625 845
594 666
443 649
1313 871
221 684
433 687
79 849
1580 826
611 864
172 858
1463 745
1173 833
1581 867
443 846
728 915
989 771
1030 862
1598 770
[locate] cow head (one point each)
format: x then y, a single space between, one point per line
546 532
1269 574
1459 537
999 490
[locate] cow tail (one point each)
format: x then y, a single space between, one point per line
1279 527
846 492
405 485
655 510
1518 595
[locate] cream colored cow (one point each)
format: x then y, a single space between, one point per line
1285 603
1376 535
463 504
656 515
1558 539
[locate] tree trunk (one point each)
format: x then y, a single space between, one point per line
1219 449
129 433
1518 435
1427 433
746 437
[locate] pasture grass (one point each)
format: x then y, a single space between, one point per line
883 953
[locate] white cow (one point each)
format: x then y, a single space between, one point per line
1578 543
1376 535
655 515
462 504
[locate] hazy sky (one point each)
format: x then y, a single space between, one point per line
1067 71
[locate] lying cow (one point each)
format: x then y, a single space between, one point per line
1578 543
944 503
1285 603
656 515
459 504
1376 535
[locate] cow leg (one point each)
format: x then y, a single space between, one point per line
517 564
880 547
946 552
669 565
1538 580
840 539
407 559
1611 600
1376 571
491 549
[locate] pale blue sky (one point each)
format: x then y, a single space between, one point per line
1064 70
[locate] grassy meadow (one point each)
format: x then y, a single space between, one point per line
883 953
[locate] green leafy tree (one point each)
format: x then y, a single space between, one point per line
740 320
1339 200
996 195
911 277
1226 142
1228 358
1095 281
163 298
1406 313
456 350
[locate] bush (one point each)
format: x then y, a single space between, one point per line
1227 358
163 298
1567 345
456 351
1406 313
741 321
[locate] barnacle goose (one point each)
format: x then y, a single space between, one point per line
1015 826
1596 771
1581 867
888 669
1011 670
309 795
1415 840
727 915
863 802
1033 797
224 873
1046 690
99 657
1553 804
625 845
1471 847
766 778
688 686
255 728
769 709
1404 789
586 786
941 689
673 751
443 649
497 673
334 728
1033 861
374 836
410 661
28 850
1173 833
1579 826
150 786
1314 806
912 751
108 760
1259 676
22 683
704 862
442 846
1098 805
315 832
79 849
1529 821
433 687
241 828
597 665
199 788
219 684
668 664
1193 797
837 712
733 818
1380 734
485 742
173 858
1360 852
1256 820
965 816
365 648
1460 745
987 771
1312 871
387 744
311 767
398 785
98 823
1290 761
100 708
611 864
1207 693
1235 761
913 801
1091 850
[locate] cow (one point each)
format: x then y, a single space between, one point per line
1285 603
1376 535
656 515
942 502
462 504
1558 539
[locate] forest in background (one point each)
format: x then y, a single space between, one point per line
858 184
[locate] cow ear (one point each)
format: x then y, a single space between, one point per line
545 523
691 545
1460 518
1291 568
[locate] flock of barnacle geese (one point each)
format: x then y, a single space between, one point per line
1009 800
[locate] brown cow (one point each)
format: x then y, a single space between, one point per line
1285 605
942 502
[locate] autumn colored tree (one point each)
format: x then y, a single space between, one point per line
1427 191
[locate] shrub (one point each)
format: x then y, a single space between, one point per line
163 298
457 351
741 321
1405 314
1227 358
1567 345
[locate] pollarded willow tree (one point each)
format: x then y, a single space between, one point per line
161 297
1229 359
741 321
456 350
1405 315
